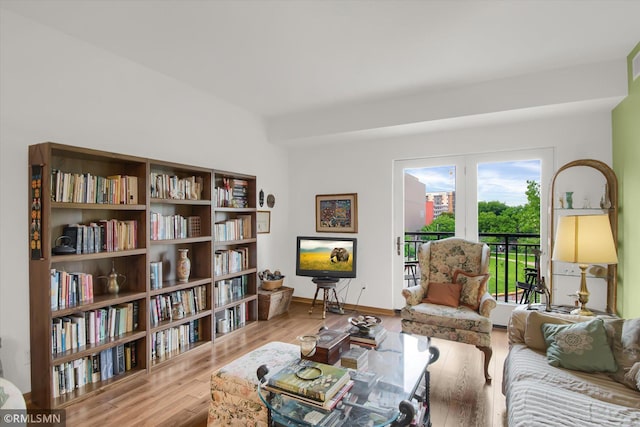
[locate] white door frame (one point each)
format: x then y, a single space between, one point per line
466 203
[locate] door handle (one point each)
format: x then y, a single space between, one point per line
398 245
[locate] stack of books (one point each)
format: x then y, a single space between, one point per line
355 358
312 383
373 338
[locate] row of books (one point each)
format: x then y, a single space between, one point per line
94 368
231 260
230 290
164 186
70 289
87 188
233 229
106 235
174 340
232 193
177 305
92 327
232 318
165 227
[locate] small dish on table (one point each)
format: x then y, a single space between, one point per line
365 322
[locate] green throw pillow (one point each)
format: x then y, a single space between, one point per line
579 346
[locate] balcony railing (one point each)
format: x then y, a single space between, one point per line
511 253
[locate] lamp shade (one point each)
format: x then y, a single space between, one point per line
585 239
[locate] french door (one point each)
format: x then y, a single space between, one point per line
456 178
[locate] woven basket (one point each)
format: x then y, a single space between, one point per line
269 285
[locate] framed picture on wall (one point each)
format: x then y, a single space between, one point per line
337 213
263 222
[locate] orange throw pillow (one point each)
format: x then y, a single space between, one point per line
443 294
474 287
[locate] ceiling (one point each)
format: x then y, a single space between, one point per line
276 58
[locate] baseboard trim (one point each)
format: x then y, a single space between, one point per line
351 307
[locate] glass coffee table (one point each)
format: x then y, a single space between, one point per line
392 389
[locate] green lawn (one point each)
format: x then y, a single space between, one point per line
497 279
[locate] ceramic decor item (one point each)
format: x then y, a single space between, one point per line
569 199
183 268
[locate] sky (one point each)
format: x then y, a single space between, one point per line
500 181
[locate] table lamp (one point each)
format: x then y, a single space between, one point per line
584 239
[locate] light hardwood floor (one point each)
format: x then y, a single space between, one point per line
178 394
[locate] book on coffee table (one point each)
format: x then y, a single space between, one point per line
310 379
327 405
372 338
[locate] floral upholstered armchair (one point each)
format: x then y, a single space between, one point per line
451 302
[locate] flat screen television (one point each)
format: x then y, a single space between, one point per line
326 258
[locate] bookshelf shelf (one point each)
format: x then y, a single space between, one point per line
90 389
236 274
91 191
174 285
100 301
235 302
157 201
166 324
90 349
235 210
97 255
97 206
181 241
224 335
200 345
225 243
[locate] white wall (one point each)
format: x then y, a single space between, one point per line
56 88
366 168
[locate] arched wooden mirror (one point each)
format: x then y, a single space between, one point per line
583 187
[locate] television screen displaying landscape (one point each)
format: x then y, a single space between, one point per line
326 255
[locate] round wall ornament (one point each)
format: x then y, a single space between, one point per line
271 200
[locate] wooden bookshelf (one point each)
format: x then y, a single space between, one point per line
235 253
81 174
177 194
63 182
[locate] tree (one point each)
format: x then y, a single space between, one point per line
496 217
446 221
494 206
530 215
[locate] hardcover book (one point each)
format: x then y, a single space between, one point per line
372 338
328 405
314 380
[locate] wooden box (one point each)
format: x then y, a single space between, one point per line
331 345
273 303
